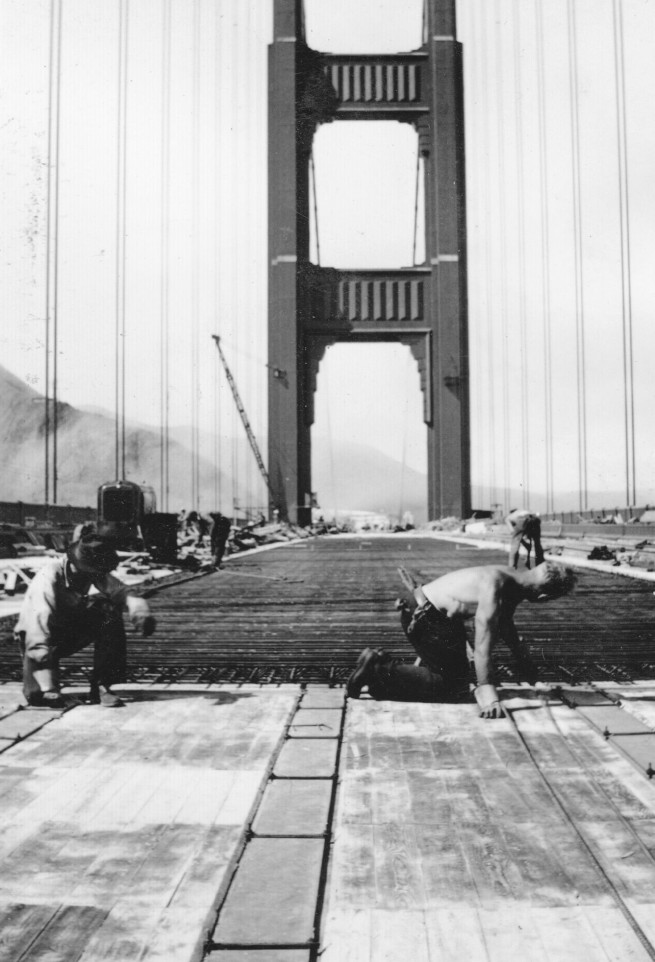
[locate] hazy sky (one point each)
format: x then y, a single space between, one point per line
175 159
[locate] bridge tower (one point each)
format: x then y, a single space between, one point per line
311 307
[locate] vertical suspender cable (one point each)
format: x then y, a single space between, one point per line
52 251
545 253
626 274
121 171
500 133
577 234
164 259
479 351
245 261
195 268
312 167
218 180
520 205
488 193
416 191
234 253
260 120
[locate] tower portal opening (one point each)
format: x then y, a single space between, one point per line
378 26
369 196
368 438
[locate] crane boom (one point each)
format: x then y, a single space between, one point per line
244 417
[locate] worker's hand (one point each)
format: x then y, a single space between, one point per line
488 701
146 624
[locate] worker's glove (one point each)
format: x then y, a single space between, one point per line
146 624
488 701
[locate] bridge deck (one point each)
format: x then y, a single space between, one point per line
278 823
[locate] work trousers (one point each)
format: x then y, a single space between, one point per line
442 675
99 624
220 532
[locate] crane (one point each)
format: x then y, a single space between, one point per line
244 418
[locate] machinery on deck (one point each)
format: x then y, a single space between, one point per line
127 514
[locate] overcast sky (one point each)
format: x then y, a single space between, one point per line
181 167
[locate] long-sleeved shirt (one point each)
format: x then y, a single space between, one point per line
56 595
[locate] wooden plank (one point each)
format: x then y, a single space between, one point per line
191 911
65 936
399 935
613 719
455 933
125 933
20 724
294 807
20 925
273 897
346 936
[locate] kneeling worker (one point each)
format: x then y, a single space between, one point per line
60 617
436 629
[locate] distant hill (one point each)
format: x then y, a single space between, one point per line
359 477
85 452
364 478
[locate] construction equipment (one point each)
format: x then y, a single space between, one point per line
244 418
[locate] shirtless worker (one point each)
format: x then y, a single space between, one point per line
490 594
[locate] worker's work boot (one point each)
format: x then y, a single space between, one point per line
364 672
103 695
46 699
40 684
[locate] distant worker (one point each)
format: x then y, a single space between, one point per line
489 593
218 536
204 528
62 614
526 530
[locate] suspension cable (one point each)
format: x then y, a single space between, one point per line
578 258
52 249
164 260
520 204
503 252
218 218
626 274
121 197
195 271
545 251
488 299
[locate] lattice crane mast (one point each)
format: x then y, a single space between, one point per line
244 417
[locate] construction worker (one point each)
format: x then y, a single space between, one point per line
218 536
526 530
489 593
73 602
